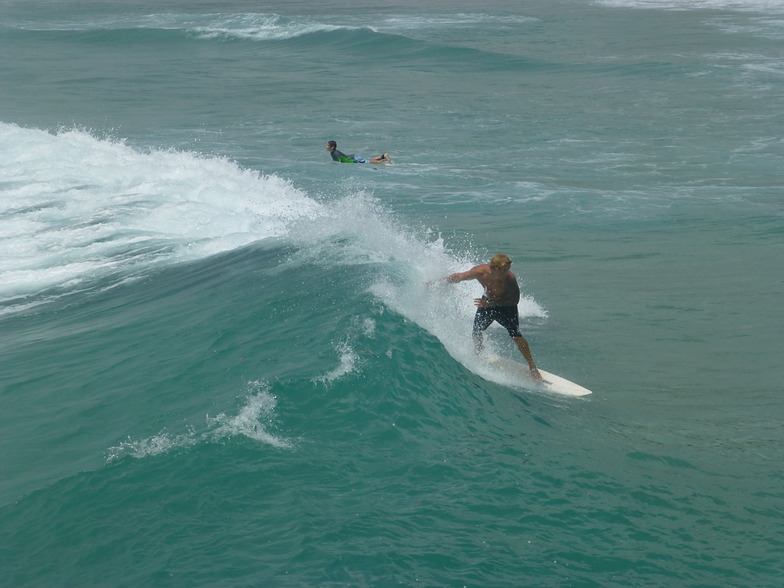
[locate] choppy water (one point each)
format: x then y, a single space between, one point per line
219 364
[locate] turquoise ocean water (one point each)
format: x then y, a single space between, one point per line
219 365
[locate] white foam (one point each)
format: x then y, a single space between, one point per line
251 421
348 363
449 21
75 207
774 6
249 25
158 444
369 327
259 27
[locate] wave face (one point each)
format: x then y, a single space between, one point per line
223 358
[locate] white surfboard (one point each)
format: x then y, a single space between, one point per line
516 374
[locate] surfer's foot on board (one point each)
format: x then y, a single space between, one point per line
537 376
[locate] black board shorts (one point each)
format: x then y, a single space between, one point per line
506 316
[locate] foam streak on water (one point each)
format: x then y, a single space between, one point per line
251 421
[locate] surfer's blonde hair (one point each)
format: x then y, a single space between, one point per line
499 260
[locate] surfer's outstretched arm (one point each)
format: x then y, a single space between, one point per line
473 274
450 279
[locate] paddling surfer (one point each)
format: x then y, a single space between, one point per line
341 157
499 303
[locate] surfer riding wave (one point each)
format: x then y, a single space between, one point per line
499 303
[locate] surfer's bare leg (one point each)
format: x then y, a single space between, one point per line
522 345
381 159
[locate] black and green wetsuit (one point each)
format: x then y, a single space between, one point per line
343 158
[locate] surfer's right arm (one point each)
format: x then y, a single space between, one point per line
458 277
475 273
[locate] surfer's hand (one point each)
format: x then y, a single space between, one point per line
481 302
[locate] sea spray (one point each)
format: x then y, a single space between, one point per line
253 421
